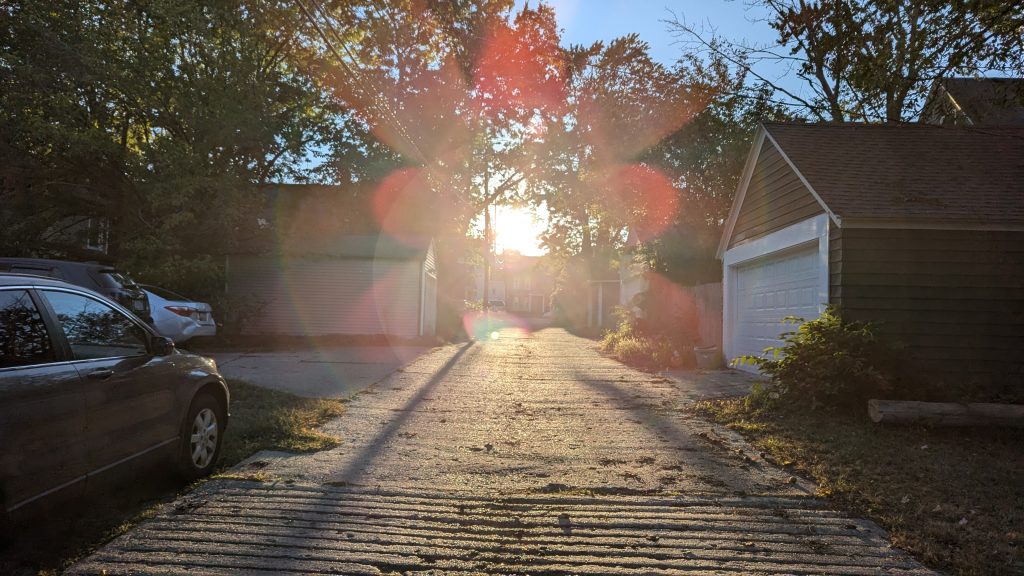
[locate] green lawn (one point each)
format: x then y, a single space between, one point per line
952 497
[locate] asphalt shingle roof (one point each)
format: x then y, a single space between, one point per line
911 171
989 101
335 221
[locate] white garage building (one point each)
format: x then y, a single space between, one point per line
327 270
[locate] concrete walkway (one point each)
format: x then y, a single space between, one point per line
324 372
527 454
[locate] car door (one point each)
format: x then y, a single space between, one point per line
42 414
130 393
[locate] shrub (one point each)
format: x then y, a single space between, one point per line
826 363
631 344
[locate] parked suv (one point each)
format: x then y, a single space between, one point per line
101 278
86 387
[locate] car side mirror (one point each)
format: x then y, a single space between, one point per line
162 346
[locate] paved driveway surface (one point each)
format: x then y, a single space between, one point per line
321 372
528 454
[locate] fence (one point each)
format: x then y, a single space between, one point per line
695 310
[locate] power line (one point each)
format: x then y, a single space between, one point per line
387 114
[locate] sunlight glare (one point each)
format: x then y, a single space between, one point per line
518 229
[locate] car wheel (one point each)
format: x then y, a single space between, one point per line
201 437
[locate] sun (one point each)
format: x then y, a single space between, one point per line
518 229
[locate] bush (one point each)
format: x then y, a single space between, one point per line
826 363
631 344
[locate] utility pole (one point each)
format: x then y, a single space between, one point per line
487 240
487 258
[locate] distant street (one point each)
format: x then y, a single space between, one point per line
524 454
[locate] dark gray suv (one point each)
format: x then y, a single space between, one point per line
102 278
85 387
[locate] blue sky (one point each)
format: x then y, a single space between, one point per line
585 21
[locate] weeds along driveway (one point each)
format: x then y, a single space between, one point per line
318 372
525 454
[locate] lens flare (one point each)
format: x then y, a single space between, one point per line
644 197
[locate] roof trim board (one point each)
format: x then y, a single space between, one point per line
748 171
832 215
741 190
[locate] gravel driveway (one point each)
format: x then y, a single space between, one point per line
526 454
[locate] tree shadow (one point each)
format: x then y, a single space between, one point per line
352 472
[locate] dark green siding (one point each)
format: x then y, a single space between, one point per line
835 256
954 297
775 198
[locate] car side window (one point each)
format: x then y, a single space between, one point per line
94 329
23 337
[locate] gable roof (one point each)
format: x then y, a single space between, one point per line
336 221
910 171
983 101
906 175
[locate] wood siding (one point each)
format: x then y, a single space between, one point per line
323 296
774 199
955 298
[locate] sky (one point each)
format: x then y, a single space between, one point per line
586 21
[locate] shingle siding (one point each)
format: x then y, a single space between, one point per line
775 198
954 297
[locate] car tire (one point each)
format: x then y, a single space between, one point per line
202 435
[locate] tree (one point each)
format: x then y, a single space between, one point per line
872 60
704 160
619 103
159 117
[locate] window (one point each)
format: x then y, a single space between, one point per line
23 336
97 234
95 330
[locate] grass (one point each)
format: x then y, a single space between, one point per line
952 497
261 419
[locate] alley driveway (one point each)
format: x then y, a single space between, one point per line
530 453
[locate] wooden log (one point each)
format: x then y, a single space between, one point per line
946 413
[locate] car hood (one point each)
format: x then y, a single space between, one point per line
200 365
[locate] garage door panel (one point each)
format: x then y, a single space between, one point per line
770 289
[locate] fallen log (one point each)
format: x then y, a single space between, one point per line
945 413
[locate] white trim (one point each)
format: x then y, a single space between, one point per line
748 173
807 184
741 190
812 230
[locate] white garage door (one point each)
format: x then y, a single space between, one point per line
769 289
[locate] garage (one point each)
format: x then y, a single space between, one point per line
775 254
916 229
325 267
770 289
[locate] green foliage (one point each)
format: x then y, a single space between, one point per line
631 344
873 60
826 363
